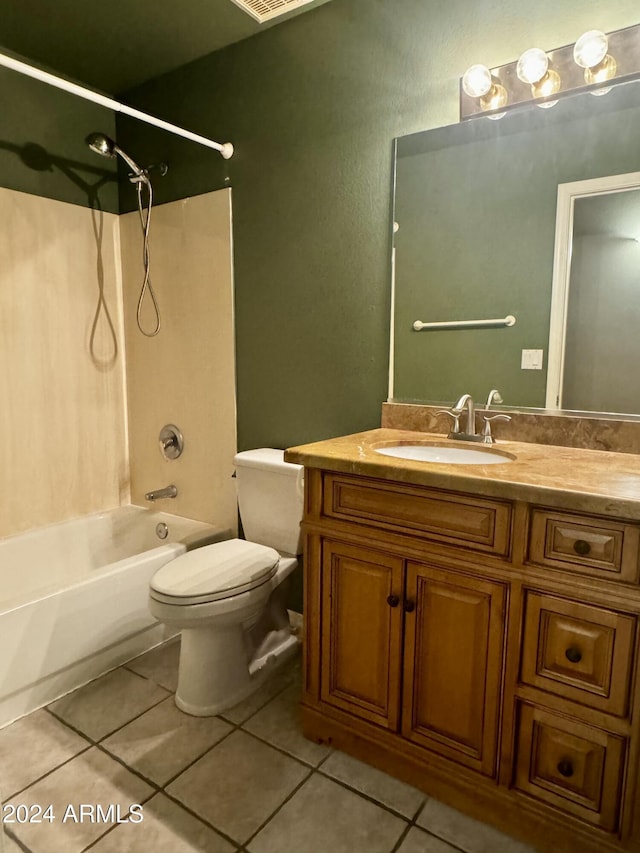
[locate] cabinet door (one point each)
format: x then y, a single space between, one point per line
361 632
454 634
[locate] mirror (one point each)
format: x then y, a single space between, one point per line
475 207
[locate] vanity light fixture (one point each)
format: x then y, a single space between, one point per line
595 63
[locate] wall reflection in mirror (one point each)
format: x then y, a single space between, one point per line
475 207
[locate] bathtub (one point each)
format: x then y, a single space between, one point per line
73 599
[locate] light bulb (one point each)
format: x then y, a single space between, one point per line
477 81
604 70
495 98
590 49
532 66
548 85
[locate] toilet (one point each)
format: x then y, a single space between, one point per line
228 599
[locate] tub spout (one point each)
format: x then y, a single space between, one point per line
157 494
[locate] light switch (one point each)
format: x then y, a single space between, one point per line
531 359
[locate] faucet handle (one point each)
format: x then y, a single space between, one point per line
455 416
487 438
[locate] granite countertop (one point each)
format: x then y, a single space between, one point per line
590 480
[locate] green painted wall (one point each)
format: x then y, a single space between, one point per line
312 107
42 149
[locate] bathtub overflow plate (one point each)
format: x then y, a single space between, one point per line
171 441
162 531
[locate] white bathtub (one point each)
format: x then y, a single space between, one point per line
73 600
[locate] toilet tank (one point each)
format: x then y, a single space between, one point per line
270 498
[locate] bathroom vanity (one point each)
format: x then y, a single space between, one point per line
473 630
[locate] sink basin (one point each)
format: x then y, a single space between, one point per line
447 454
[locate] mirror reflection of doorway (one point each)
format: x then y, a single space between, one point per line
602 346
595 324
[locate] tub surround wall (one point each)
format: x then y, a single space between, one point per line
61 347
185 375
564 430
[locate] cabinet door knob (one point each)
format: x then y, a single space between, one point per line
574 655
565 768
409 605
581 547
393 600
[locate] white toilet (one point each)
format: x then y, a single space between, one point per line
228 599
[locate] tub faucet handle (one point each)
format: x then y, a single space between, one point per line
171 441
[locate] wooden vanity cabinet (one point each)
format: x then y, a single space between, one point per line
459 643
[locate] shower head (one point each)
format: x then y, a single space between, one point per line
106 147
101 144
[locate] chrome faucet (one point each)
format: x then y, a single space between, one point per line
455 412
157 494
467 401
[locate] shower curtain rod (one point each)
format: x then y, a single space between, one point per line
226 148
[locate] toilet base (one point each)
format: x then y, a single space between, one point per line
213 672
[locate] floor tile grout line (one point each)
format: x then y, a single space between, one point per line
280 807
401 839
204 820
156 787
188 766
10 797
258 709
444 840
110 733
368 797
115 825
69 725
10 834
238 727
326 757
306 764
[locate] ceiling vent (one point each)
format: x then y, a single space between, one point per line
266 10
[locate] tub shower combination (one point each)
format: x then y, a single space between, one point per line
73 599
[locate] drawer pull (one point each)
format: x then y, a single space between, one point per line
565 768
409 605
574 655
393 600
581 547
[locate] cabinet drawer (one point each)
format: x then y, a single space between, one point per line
462 520
576 543
581 652
570 765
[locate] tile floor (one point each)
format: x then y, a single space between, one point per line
245 781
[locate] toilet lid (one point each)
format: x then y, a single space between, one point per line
214 572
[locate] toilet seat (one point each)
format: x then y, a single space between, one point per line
214 572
